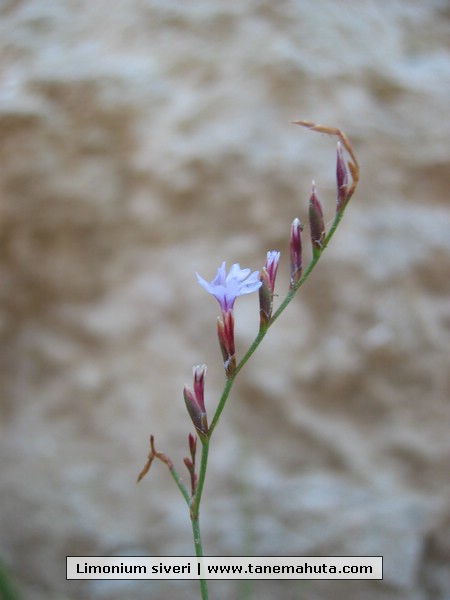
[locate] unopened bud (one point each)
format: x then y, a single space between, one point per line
266 291
341 179
192 445
199 373
225 332
195 404
190 462
193 408
295 251
316 223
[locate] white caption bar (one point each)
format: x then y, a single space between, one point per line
224 567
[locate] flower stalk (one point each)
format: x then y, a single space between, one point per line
226 288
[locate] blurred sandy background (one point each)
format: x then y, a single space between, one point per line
141 141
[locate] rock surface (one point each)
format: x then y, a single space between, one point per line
142 141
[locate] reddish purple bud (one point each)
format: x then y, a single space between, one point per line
193 408
271 268
192 445
195 401
266 291
190 463
199 373
341 179
316 223
225 332
295 251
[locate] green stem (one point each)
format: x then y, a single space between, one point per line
199 553
180 484
195 504
195 511
222 401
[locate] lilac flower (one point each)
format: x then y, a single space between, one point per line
226 288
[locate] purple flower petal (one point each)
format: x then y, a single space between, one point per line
226 288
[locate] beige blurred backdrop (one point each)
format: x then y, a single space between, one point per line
141 141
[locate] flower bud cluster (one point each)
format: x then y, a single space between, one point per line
226 288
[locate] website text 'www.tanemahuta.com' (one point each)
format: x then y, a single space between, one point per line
224 567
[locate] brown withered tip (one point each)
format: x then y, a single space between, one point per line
150 458
329 131
152 455
352 164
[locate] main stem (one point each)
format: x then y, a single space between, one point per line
199 554
195 511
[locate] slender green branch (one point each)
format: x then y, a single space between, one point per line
195 503
199 553
166 460
222 402
176 477
195 511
